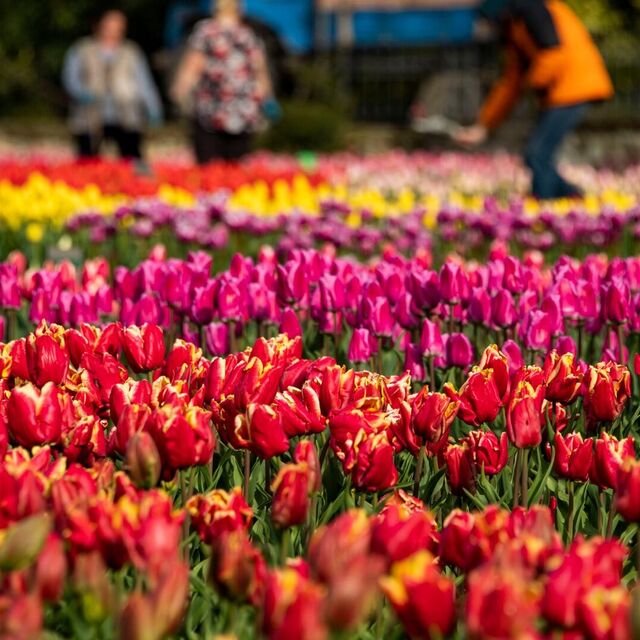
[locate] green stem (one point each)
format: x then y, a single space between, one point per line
267 476
284 546
247 473
621 343
516 481
524 490
610 518
418 473
570 518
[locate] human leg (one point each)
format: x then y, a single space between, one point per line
540 154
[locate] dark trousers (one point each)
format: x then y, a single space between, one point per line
219 145
540 154
128 142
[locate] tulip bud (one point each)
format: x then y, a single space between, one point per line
459 351
290 495
503 309
431 343
137 619
362 346
460 472
524 415
21 543
142 460
237 569
51 569
217 338
454 283
169 597
514 356
290 324
379 318
306 451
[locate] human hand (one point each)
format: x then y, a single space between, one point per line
471 136
87 98
271 109
156 120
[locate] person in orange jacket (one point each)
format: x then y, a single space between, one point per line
549 50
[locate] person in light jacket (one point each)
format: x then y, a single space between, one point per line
113 95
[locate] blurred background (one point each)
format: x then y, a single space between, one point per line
355 74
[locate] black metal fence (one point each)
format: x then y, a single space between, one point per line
384 82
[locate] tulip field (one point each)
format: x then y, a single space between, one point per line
386 397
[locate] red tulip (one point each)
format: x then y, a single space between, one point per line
51 570
587 564
421 596
460 471
573 456
403 527
184 436
432 415
498 362
607 387
218 512
143 461
373 468
306 452
524 415
501 603
487 452
628 490
562 377
47 361
292 607
605 613
266 435
237 569
479 397
290 490
144 347
608 455
34 416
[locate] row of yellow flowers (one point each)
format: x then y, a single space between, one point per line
50 203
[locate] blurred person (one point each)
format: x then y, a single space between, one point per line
112 90
225 72
549 49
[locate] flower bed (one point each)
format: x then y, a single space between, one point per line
311 445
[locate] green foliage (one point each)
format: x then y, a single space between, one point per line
317 115
34 36
306 125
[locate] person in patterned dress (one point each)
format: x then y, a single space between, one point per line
225 79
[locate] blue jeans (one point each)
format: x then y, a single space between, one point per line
550 130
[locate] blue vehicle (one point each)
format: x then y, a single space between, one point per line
304 26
